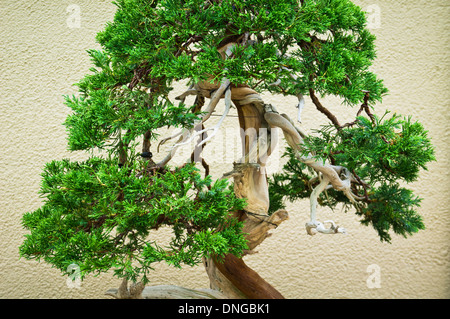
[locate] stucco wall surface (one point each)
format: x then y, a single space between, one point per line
43 52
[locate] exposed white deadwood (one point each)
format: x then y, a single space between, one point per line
167 292
177 292
250 183
330 174
133 292
260 149
311 229
164 140
299 131
313 225
190 91
301 99
186 133
216 127
295 141
230 275
205 89
276 83
209 110
315 195
248 99
300 106
257 228
215 99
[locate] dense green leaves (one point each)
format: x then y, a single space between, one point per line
392 207
100 216
380 152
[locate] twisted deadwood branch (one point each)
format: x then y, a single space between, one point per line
138 291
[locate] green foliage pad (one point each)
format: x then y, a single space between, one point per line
382 154
100 216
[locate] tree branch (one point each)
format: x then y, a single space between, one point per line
323 109
186 133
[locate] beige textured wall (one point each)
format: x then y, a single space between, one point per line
42 53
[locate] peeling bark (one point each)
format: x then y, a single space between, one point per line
231 275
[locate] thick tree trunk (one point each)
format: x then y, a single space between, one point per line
232 276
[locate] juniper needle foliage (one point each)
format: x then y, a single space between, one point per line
384 153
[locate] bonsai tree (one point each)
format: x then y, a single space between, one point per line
103 213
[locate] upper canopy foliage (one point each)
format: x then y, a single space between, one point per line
150 44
